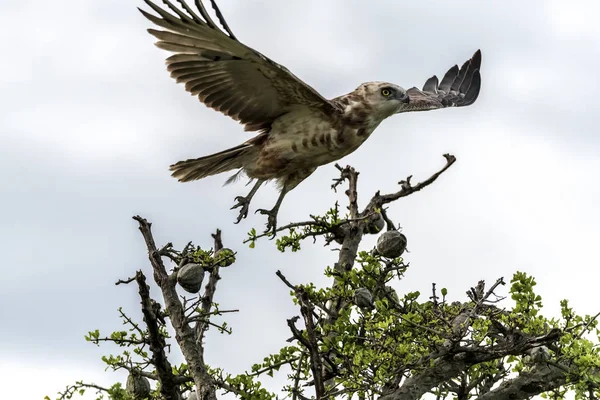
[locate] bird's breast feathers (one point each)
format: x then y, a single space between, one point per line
309 138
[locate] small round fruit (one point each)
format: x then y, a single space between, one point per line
224 257
138 386
363 298
375 224
391 244
190 277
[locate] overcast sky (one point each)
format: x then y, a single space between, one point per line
90 122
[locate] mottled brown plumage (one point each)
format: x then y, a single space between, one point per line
299 130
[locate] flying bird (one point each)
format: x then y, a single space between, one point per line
298 130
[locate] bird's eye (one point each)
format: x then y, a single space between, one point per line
386 92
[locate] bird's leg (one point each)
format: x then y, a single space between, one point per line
272 220
244 202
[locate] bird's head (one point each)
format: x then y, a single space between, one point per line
384 99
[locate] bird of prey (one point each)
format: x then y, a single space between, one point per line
298 130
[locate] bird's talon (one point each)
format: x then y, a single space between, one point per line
271 221
241 200
244 203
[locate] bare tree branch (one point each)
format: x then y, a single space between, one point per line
131 322
315 357
207 298
185 335
407 189
151 310
118 341
351 175
71 389
527 384
296 387
125 282
306 309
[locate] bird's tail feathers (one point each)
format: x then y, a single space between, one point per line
198 168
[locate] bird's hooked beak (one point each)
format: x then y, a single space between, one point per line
403 97
404 100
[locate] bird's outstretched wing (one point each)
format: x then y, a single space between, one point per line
458 88
225 74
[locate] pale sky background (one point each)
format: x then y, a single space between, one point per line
90 121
